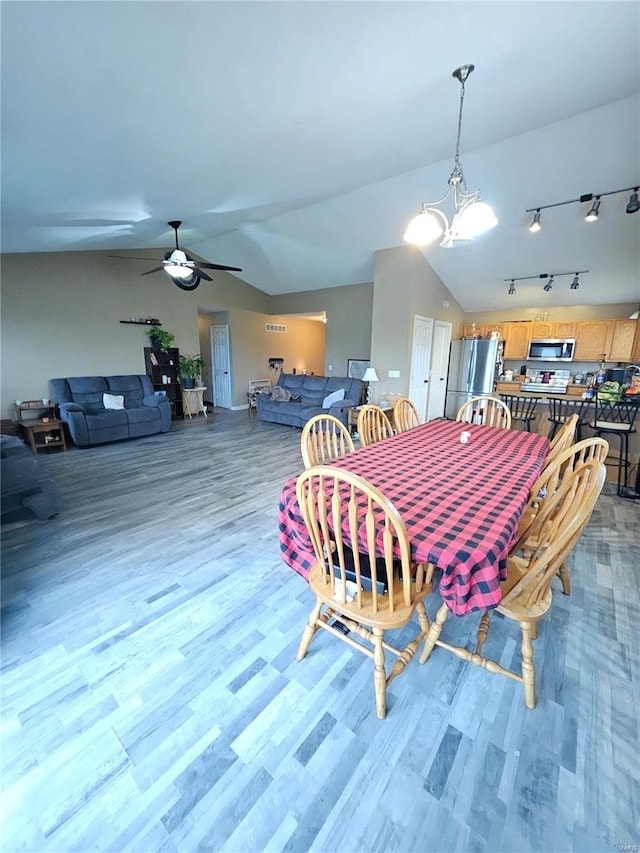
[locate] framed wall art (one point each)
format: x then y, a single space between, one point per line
356 367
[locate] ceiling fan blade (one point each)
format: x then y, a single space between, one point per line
219 267
155 269
202 274
132 258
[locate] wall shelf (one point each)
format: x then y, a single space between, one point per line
142 322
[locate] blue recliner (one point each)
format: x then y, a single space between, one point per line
81 400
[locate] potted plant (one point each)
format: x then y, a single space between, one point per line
161 339
190 368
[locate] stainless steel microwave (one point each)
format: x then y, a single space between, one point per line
551 349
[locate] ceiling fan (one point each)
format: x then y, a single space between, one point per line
183 271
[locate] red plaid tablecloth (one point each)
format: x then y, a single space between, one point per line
460 502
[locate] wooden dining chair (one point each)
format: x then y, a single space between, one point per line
373 425
526 594
366 591
549 481
488 411
563 438
323 439
405 415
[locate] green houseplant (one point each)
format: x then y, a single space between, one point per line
160 338
190 368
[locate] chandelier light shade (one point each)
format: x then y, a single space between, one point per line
472 216
549 280
633 206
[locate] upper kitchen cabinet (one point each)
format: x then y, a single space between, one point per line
621 346
565 328
516 338
593 338
553 329
635 352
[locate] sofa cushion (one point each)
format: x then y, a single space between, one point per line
334 397
130 387
312 399
113 401
88 391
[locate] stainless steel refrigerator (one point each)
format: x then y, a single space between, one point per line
473 369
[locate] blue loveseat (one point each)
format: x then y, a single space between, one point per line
308 394
81 402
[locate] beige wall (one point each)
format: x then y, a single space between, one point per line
61 313
61 316
348 329
405 284
302 346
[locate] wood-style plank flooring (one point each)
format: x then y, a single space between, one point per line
152 700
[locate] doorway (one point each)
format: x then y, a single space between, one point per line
439 369
220 366
420 363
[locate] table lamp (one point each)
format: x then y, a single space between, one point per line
369 376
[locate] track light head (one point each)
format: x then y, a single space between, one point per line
536 224
634 205
594 210
512 288
575 284
548 285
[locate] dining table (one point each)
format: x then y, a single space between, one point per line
460 489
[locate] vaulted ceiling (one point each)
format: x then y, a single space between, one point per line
296 139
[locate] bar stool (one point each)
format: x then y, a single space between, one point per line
616 418
561 409
521 408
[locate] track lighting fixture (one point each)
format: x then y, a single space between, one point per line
594 211
472 216
549 276
536 225
633 206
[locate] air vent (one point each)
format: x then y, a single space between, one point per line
274 327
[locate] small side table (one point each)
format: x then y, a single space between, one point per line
355 411
192 401
49 434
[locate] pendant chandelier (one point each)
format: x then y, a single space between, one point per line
472 216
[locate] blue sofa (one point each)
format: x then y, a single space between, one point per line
82 408
308 393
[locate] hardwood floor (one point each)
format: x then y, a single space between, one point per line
152 700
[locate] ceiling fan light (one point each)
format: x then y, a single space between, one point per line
178 271
423 229
474 219
633 205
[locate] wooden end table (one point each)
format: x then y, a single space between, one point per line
44 435
192 401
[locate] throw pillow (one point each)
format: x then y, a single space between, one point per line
281 394
332 398
113 401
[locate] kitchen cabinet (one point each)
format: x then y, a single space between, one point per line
516 339
542 329
622 339
635 351
553 329
593 338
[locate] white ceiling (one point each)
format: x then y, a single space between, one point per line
295 139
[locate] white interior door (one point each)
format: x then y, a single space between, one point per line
221 366
439 368
420 363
